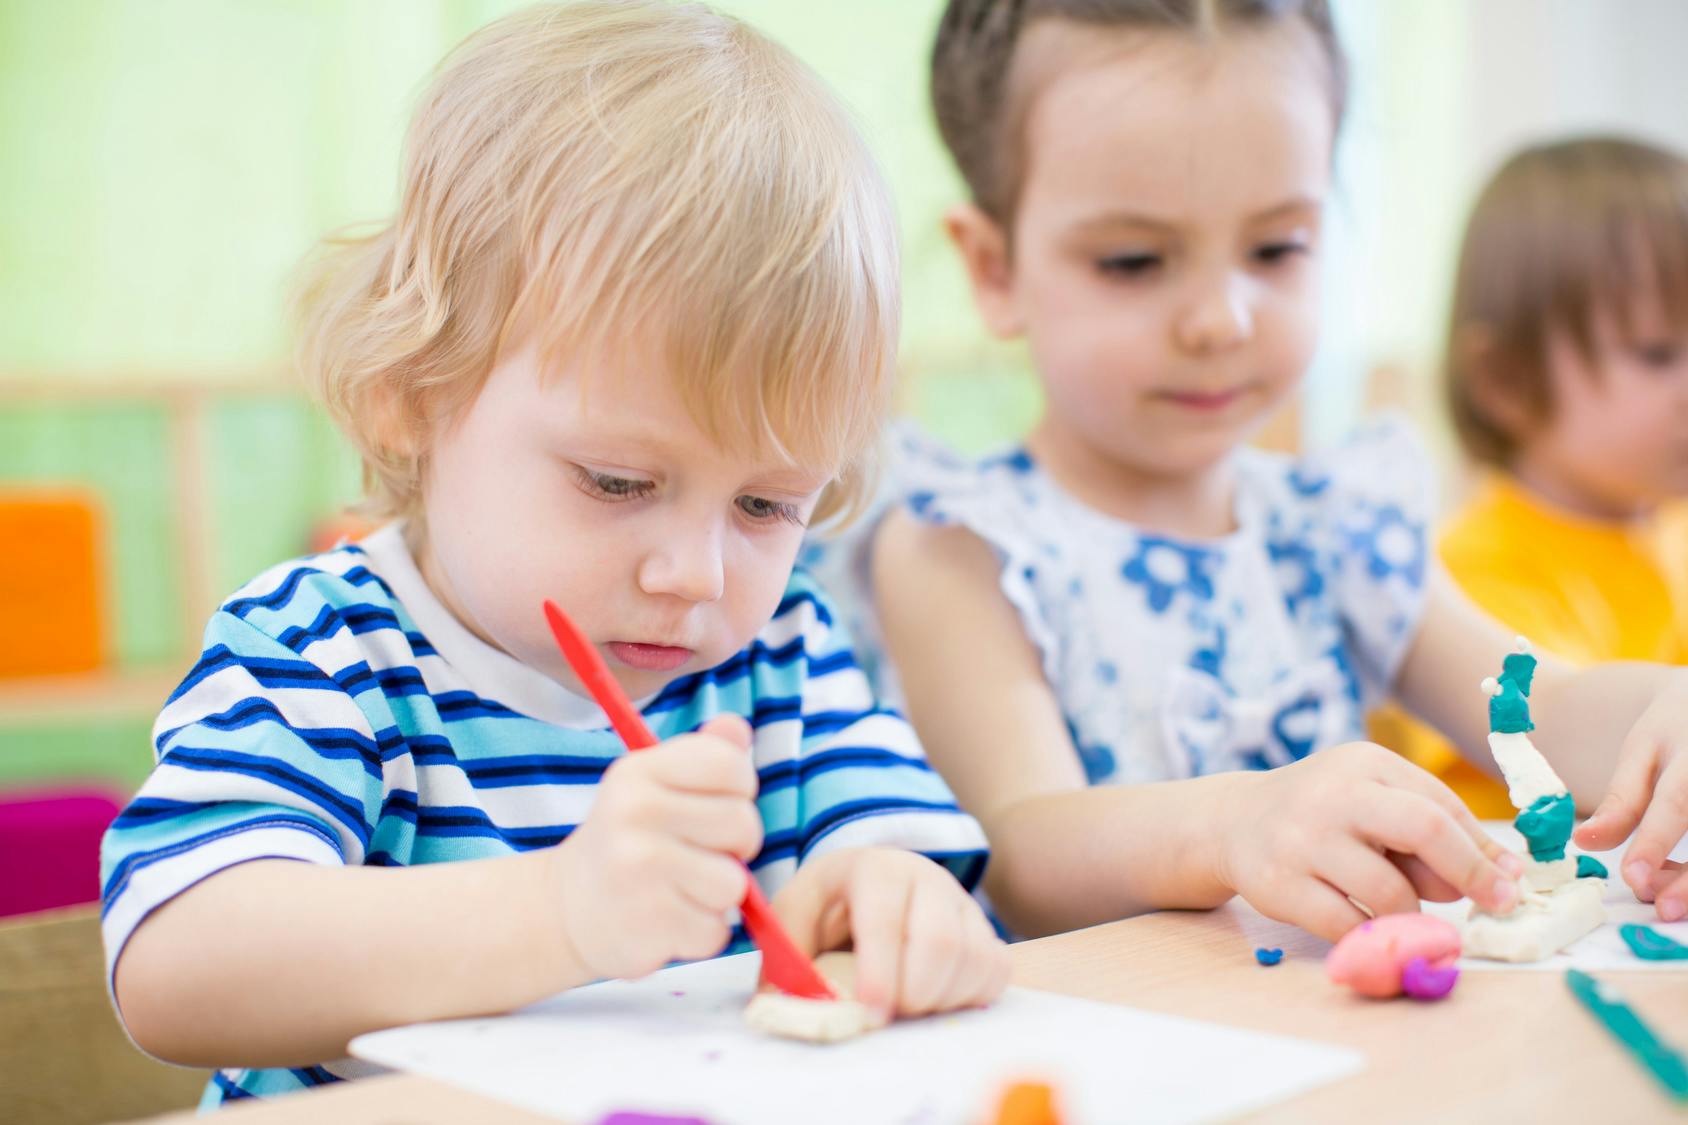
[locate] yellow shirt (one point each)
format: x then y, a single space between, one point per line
1583 590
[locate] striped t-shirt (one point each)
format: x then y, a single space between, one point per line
341 715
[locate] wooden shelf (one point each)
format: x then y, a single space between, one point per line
90 696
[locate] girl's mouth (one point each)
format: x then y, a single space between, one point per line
1206 402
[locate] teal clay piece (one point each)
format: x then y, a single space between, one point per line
1509 708
1590 868
1520 668
1650 945
1546 826
1664 1062
1509 712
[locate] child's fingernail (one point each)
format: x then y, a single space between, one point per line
1672 909
1506 893
1511 864
1635 874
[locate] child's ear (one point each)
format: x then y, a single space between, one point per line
1493 389
983 246
395 422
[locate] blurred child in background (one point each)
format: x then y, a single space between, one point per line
1567 378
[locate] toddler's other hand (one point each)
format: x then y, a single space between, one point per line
922 944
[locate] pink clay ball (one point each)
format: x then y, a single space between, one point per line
1371 957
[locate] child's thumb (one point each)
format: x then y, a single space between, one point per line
732 728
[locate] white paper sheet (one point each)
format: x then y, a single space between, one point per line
676 1043
1601 950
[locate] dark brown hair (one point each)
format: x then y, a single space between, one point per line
972 58
1562 232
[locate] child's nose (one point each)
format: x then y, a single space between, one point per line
686 566
1218 317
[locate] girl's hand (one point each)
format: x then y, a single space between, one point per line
1650 789
1356 822
650 874
922 944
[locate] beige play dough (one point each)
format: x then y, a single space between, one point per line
817 1021
1557 908
1540 926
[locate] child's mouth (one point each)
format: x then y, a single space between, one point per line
649 658
1206 401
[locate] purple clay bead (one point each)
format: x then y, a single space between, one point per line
1423 981
625 1117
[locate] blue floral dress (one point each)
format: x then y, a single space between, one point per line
1174 658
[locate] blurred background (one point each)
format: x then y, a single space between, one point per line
167 162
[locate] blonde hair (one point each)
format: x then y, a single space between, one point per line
579 174
1562 232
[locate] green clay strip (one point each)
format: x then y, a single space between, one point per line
1661 1060
1650 945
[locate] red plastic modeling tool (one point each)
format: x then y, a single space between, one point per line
783 965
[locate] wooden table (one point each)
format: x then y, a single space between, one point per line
1506 1046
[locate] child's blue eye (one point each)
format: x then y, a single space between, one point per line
767 511
607 487
1130 265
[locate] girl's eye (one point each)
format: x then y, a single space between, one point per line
1276 253
1660 355
1130 265
768 511
607 487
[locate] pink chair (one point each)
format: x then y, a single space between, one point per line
50 845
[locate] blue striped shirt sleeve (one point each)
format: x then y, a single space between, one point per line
260 754
863 778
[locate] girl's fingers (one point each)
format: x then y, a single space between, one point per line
1404 775
1626 797
1316 907
1670 892
1366 876
1662 825
1426 882
1404 821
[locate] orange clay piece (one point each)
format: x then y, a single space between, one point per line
1028 1103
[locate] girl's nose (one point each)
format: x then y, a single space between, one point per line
1219 317
685 566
